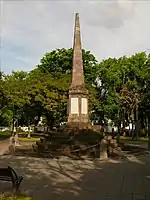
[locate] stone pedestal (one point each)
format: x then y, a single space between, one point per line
78 105
73 128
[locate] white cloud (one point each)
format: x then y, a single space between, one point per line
109 28
24 59
110 14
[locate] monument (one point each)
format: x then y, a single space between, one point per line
78 94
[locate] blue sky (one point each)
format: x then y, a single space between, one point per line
29 29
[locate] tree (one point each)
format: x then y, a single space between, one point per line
13 97
118 89
60 61
122 82
57 67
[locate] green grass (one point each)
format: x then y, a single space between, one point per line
26 139
15 198
141 139
4 135
3 197
7 134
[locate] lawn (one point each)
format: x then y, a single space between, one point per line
22 137
141 139
3 197
26 139
4 135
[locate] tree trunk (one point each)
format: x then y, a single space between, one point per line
13 123
132 131
148 116
136 122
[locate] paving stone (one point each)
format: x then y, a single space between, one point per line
80 180
125 197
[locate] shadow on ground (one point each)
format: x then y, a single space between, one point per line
64 178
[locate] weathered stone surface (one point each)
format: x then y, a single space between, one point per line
77 89
11 149
16 140
103 150
12 140
77 72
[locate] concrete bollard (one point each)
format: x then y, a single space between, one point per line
11 147
16 140
103 150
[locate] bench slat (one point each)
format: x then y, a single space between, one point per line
8 174
5 178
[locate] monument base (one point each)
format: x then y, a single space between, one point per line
79 125
72 128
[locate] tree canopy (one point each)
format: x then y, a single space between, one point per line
118 89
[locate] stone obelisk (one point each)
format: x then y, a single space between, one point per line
78 94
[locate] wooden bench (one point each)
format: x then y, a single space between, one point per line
8 174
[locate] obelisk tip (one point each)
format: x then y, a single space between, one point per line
77 15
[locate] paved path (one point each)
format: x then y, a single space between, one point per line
47 179
4 146
136 143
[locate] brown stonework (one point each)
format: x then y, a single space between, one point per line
77 88
77 71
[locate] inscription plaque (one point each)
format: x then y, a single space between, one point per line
84 106
74 106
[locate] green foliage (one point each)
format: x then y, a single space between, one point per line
54 77
125 86
59 62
